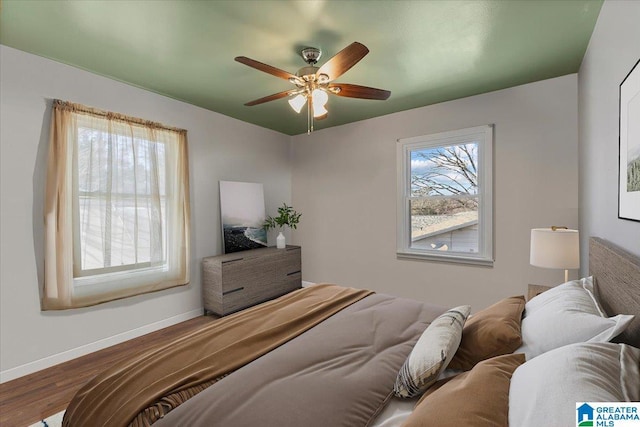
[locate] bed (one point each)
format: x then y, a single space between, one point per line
340 356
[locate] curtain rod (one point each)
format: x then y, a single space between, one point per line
79 108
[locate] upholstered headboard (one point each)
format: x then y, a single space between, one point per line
617 283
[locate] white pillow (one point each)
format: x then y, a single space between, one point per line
581 290
567 314
544 391
432 353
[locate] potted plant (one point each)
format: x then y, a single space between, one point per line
287 216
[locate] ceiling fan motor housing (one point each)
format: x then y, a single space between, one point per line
308 73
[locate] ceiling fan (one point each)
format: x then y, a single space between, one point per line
314 84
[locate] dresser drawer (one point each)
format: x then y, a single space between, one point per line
292 282
249 272
290 262
234 301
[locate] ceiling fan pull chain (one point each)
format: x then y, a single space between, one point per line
309 117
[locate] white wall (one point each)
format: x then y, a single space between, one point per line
613 50
344 182
220 148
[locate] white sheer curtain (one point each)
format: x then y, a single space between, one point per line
116 209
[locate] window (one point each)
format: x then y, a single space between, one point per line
445 196
121 200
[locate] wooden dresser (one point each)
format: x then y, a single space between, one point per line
239 280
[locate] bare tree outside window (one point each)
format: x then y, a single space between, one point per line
444 197
449 170
445 171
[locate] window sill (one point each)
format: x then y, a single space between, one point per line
452 259
108 283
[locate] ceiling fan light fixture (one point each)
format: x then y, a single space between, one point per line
320 97
298 102
319 111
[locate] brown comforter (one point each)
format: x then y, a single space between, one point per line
339 373
115 397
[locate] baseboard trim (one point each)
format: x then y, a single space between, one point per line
65 356
306 284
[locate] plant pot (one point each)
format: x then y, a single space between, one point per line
281 241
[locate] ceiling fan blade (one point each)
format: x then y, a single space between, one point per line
357 91
266 68
343 60
269 98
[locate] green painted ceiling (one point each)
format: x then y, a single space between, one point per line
424 52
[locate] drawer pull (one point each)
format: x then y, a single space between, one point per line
232 260
232 291
295 272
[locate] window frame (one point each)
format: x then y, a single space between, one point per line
109 279
483 135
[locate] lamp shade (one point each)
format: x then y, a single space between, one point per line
297 102
320 97
559 248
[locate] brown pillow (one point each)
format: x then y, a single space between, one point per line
491 332
476 398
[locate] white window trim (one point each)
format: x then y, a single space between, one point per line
485 256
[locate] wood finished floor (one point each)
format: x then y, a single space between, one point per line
31 398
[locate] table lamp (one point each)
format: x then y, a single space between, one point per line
555 247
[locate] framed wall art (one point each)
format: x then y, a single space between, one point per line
242 214
629 168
